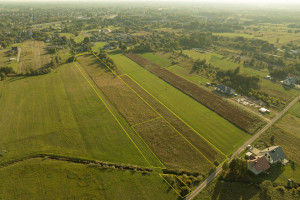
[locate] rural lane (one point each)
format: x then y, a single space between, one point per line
242 148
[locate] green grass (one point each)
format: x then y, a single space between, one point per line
98 45
277 90
59 113
295 110
214 128
49 179
291 124
184 73
157 59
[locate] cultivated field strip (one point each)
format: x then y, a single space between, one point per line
195 139
241 118
99 75
170 147
145 151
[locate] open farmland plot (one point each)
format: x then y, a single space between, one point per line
241 118
210 125
33 56
146 124
170 147
127 102
37 179
184 129
295 110
60 114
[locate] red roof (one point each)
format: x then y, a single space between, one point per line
260 163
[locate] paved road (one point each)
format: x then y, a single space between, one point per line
242 148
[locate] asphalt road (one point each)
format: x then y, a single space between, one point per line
239 150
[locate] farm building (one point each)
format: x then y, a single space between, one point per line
274 155
258 164
224 89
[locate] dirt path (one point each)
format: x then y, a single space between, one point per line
242 148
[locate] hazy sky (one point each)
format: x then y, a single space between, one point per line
257 2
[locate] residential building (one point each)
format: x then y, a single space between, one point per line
258 165
274 154
224 89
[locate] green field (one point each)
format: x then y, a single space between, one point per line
295 110
291 124
98 45
157 59
59 113
49 179
218 131
184 73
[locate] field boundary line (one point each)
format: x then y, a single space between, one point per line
164 167
109 109
150 120
158 112
178 117
122 75
161 175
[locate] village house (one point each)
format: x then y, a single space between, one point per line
224 89
258 164
274 155
260 160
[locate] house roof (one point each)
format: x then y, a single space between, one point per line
275 152
259 163
225 89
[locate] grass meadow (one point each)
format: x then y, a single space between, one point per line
59 113
214 128
50 179
295 110
157 59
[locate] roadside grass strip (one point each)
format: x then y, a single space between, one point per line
176 184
